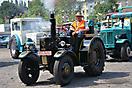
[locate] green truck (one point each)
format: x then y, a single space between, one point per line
118 38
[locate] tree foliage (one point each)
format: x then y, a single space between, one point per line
36 8
65 10
8 10
105 7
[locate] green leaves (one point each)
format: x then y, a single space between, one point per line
8 10
105 7
65 10
36 8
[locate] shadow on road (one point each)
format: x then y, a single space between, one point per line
117 60
82 80
5 64
3 47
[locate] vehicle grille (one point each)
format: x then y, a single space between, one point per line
107 37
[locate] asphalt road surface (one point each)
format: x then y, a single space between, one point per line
115 75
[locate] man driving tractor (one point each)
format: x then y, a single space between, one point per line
78 28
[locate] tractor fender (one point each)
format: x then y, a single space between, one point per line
61 53
121 41
25 54
97 38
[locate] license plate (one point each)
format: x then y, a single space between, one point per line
45 53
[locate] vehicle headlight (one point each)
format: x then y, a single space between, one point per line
62 43
30 47
117 36
99 34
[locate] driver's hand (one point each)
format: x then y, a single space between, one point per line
73 33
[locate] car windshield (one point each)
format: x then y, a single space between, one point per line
126 22
31 25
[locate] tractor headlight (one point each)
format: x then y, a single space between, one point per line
62 43
30 46
117 36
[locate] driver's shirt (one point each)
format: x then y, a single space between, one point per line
78 26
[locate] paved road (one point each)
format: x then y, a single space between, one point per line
115 75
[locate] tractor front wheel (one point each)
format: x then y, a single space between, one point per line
28 71
125 52
63 70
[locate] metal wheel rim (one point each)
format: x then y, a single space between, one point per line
66 70
97 58
29 71
128 50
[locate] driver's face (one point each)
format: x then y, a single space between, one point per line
79 18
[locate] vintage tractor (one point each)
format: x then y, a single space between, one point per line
118 38
57 55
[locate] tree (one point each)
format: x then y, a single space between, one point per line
36 8
105 7
65 10
8 10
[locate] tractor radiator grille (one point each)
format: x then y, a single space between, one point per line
107 37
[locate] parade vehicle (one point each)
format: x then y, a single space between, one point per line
59 57
21 29
107 22
118 38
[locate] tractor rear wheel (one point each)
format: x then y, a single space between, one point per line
63 70
96 58
122 53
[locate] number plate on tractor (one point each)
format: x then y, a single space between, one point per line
45 53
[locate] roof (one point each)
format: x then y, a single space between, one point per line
25 19
109 14
122 15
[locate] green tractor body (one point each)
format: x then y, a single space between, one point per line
118 39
